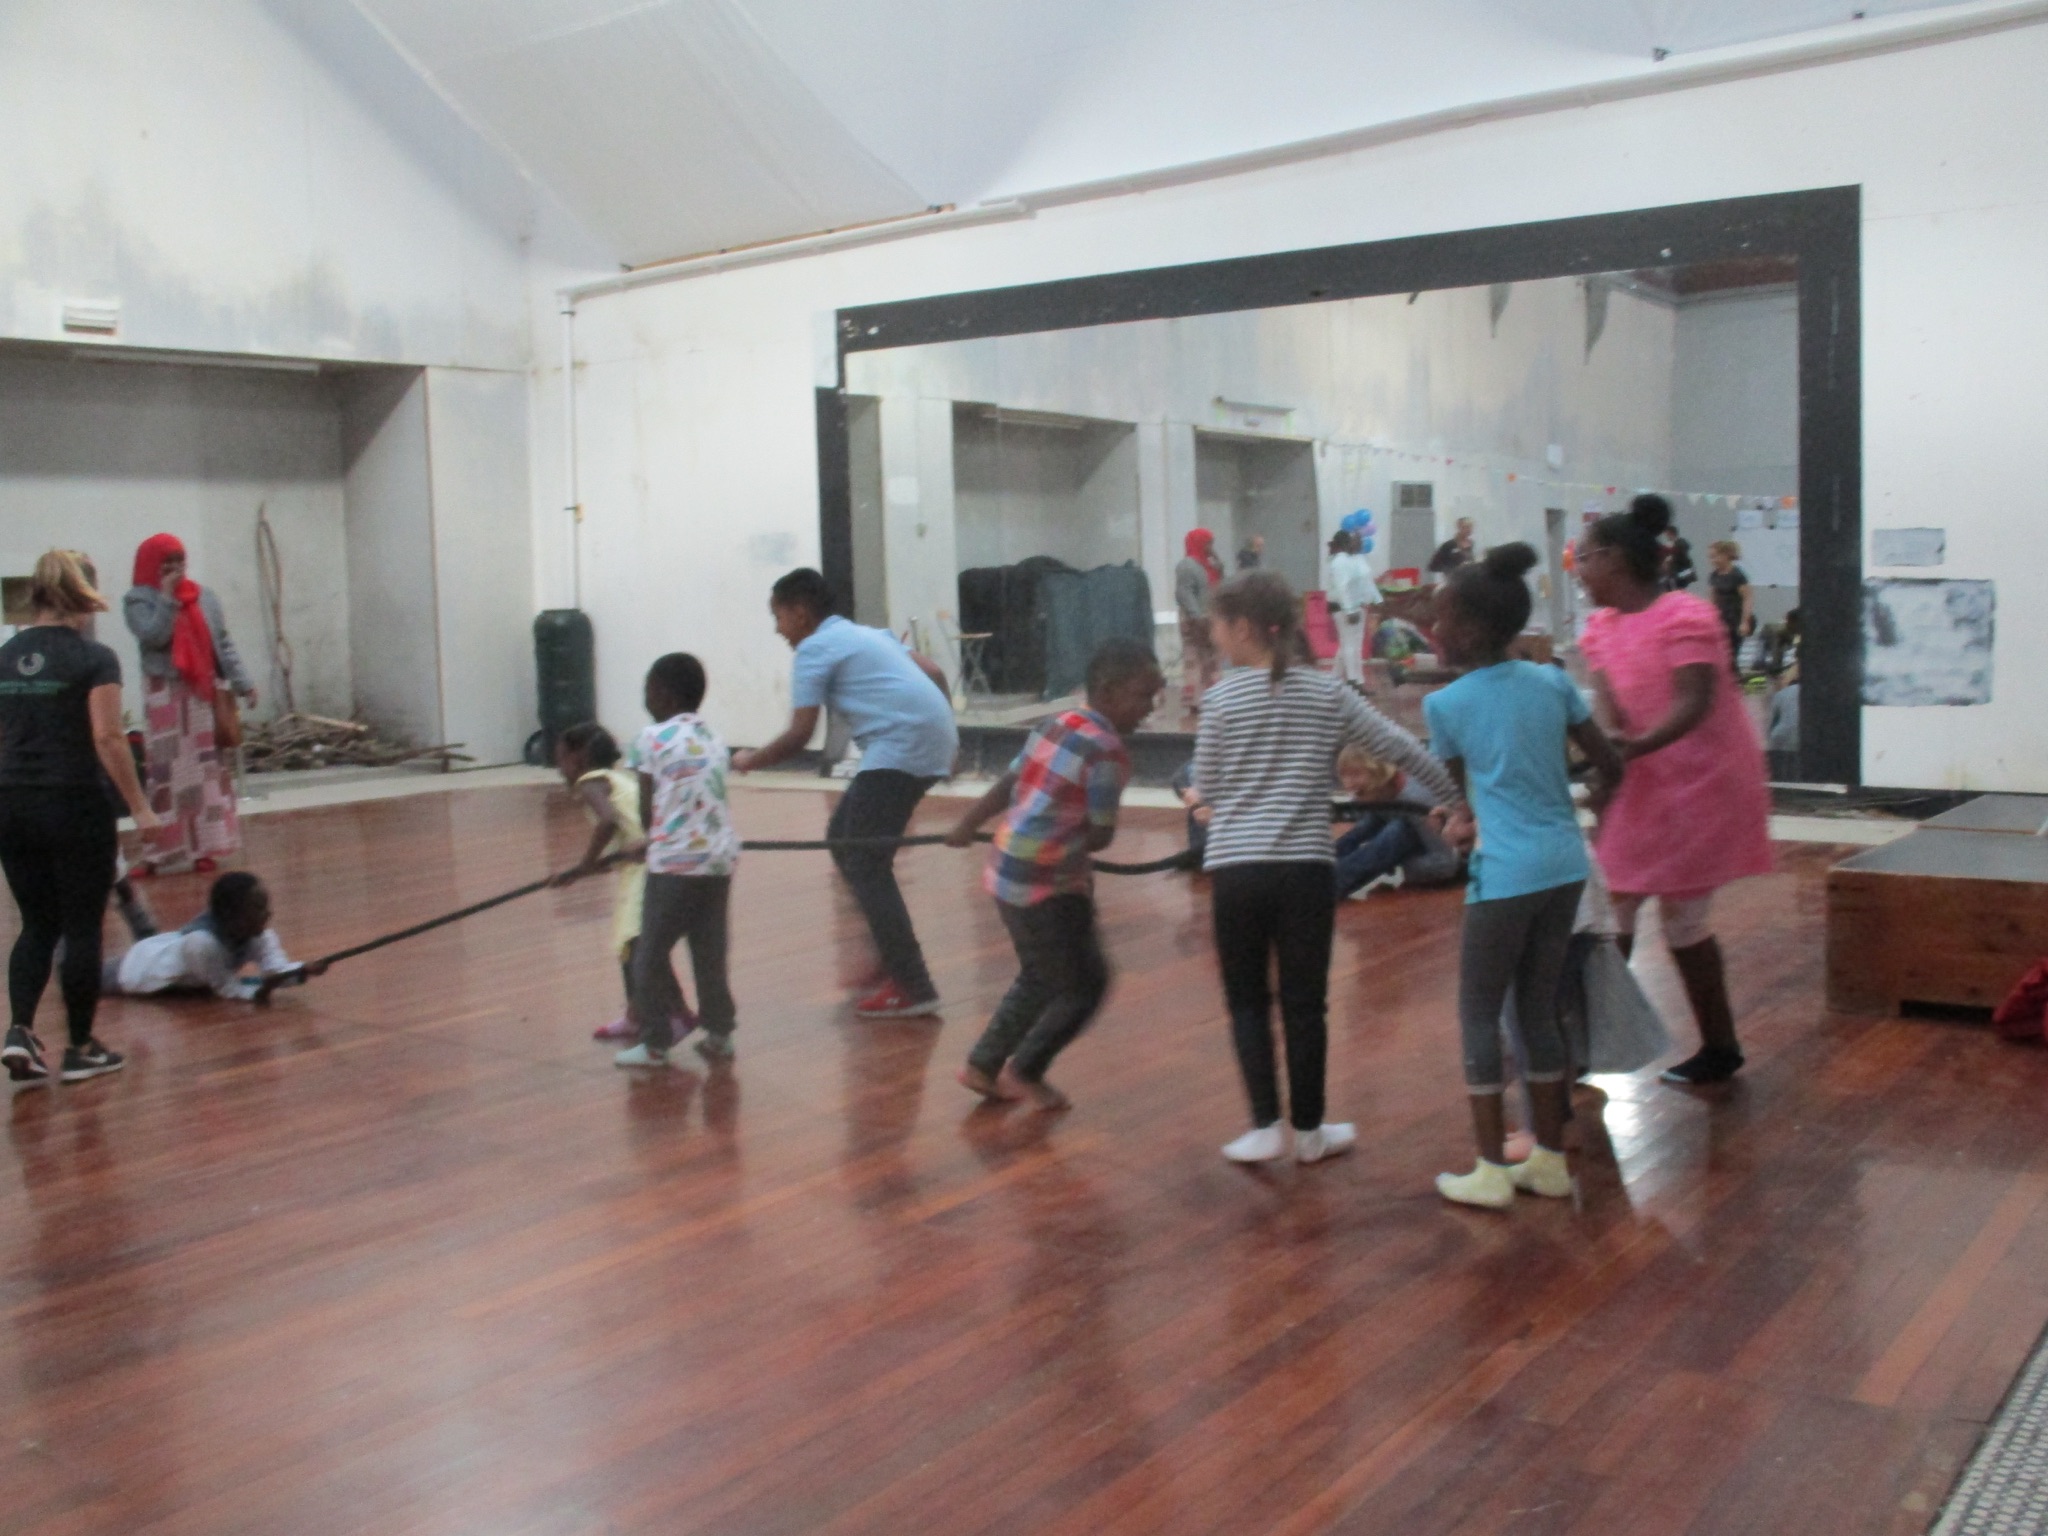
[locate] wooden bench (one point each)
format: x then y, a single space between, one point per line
1944 915
2024 815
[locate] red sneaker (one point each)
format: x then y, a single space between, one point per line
204 866
621 1028
892 1002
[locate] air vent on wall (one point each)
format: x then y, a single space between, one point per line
92 317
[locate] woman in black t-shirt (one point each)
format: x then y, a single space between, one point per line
1733 596
60 739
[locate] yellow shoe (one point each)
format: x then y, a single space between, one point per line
1544 1173
1488 1184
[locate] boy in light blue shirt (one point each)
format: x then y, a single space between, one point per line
901 715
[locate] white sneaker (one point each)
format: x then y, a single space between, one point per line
641 1055
1488 1184
1543 1173
1258 1146
1392 880
1326 1140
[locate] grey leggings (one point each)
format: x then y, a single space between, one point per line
1519 942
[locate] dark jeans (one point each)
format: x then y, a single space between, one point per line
679 907
879 803
1264 913
1062 978
58 847
1374 845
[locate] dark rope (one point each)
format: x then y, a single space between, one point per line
1185 859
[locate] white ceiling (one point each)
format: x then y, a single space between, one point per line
671 127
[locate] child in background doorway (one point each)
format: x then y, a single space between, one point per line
588 760
213 951
1503 727
692 851
1391 847
1062 793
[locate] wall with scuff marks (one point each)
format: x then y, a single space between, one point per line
235 191
1388 389
99 455
700 454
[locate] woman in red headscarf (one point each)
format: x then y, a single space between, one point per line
1198 571
190 674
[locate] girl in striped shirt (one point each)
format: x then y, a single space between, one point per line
1265 756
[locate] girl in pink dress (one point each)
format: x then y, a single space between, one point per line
1693 810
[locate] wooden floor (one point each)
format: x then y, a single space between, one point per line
407 1253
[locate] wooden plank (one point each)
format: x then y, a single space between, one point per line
2023 815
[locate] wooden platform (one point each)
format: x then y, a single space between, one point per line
406 1254
2025 815
1940 916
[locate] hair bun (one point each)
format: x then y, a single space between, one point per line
1650 512
1510 561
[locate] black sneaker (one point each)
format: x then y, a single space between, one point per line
23 1055
716 1049
1708 1066
90 1060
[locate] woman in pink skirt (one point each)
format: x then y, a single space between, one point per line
1693 810
187 657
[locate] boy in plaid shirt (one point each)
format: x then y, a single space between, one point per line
1062 795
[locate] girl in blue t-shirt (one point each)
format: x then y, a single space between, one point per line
1502 730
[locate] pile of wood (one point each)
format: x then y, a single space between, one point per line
295 741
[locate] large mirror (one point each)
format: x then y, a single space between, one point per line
1011 497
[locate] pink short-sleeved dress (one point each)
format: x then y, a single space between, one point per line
1694 815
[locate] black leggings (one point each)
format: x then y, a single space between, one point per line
1284 913
58 848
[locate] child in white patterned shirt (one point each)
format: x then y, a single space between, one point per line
692 851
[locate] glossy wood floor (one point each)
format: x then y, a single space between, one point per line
408 1254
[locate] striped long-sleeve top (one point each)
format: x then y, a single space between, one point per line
1265 759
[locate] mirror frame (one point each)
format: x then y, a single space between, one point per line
1821 229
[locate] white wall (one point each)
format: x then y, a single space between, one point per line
100 455
1735 430
251 177
710 380
1386 389
483 560
1022 490
391 594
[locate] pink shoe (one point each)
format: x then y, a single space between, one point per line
682 1023
621 1028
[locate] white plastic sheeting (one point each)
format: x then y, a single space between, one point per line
673 127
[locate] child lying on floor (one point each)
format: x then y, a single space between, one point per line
211 953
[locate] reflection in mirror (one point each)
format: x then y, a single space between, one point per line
1017 498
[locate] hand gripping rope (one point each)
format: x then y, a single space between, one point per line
1182 860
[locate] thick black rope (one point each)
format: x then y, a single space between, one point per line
1185 859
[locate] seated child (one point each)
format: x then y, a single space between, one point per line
1388 847
1062 795
588 759
210 953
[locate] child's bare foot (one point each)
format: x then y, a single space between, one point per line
1041 1094
991 1088
1518 1146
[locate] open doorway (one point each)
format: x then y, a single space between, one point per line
1251 488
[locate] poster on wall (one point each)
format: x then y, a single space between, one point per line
1927 641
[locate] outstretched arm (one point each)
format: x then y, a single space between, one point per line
993 799
1692 696
802 723
1607 763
